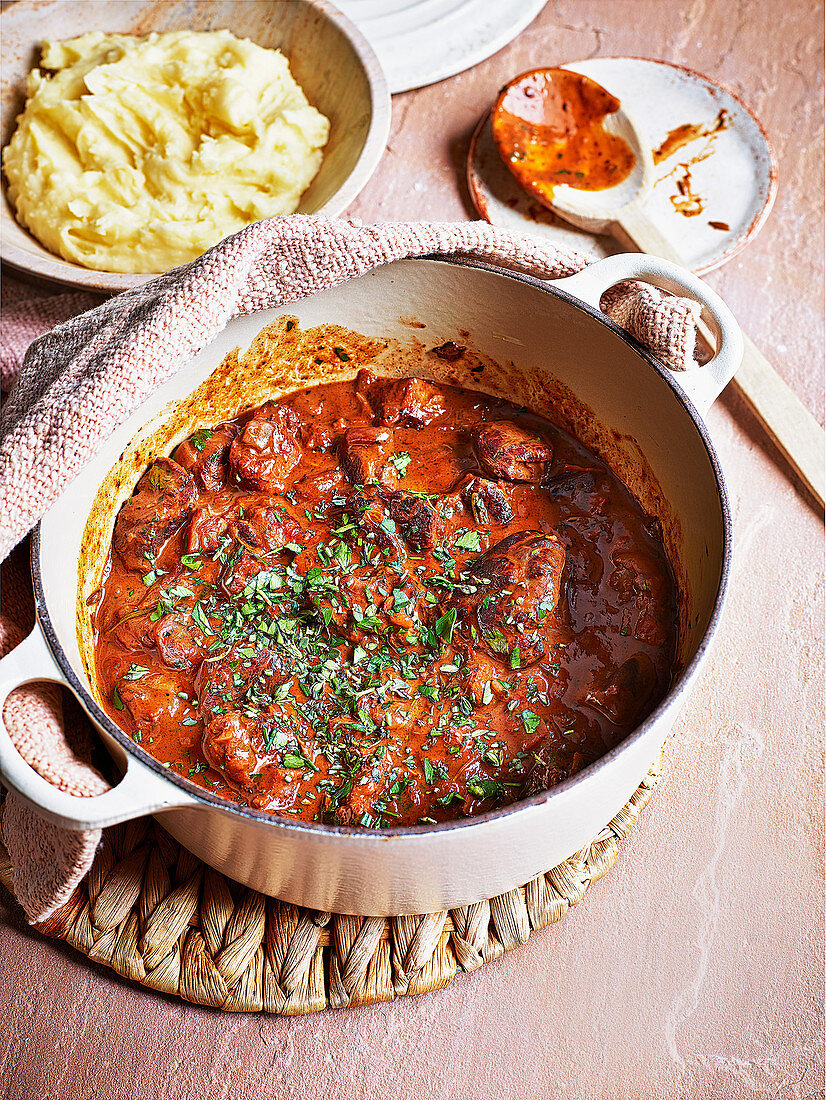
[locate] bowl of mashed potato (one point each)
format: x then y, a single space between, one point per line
132 146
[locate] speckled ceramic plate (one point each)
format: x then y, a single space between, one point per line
715 172
421 41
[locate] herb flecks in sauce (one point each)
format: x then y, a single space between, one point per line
480 617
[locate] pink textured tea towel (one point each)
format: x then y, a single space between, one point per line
86 376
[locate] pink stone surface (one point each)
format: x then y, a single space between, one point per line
694 969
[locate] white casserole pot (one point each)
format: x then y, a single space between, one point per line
646 421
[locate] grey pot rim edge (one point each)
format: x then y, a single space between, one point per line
672 697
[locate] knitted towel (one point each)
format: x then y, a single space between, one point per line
89 374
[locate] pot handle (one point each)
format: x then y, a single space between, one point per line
703 384
139 792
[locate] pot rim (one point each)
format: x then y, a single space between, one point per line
674 694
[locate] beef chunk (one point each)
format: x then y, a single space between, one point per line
162 504
248 750
391 515
205 453
576 482
235 679
363 602
367 507
234 694
228 745
418 522
486 501
510 593
153 699
207 527
639 583
179 640
624 692
265 527
507 451
407 402
268 449
362 452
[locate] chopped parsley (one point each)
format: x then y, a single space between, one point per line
400 460
468 540
135 672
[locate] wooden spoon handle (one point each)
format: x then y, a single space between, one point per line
795 432
637 229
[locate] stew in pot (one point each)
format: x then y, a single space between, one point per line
382 602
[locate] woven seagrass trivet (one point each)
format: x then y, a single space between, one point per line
154 913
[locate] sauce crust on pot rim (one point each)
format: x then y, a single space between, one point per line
473 602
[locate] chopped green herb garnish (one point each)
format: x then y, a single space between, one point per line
199 438
200 620
135 672
530 720
468 540
401 460
445 624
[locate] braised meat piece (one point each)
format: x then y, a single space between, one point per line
243 728
228 745
162 504
249 749
205 453
418 522
236 680
407 402
392 518
509 594
624 692
486 501
362 453
268 449
265 528
640 585
366 602
367 508
207 527
154 699
179 640
507 451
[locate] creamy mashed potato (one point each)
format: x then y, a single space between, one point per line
137 154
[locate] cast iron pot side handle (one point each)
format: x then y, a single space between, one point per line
139 792
702 384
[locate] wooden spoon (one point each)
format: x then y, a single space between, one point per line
570 143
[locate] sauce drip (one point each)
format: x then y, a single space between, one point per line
548 127
683 135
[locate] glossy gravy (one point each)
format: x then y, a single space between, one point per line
382 603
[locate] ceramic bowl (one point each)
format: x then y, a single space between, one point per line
328 56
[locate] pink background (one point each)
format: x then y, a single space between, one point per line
694 969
